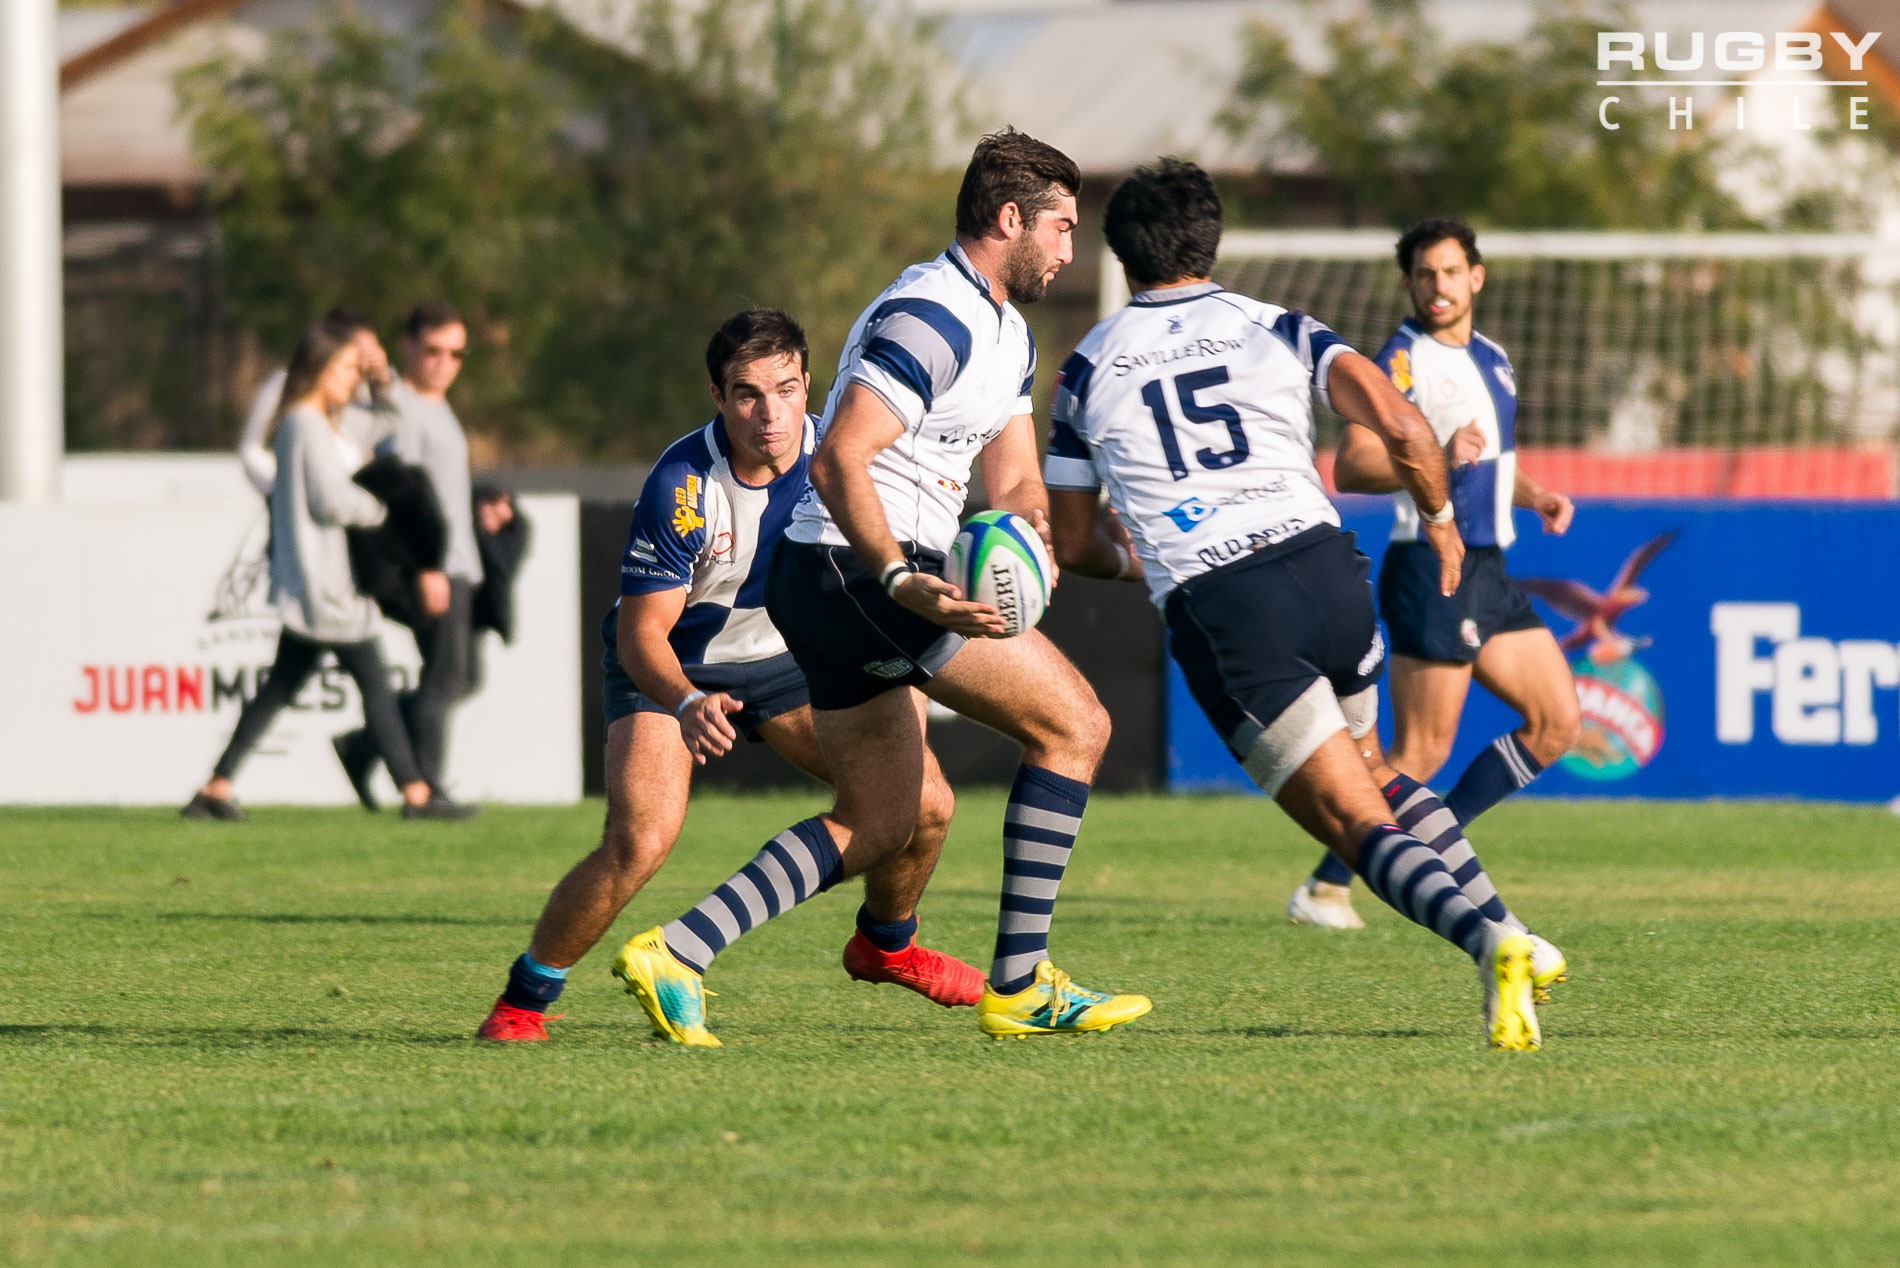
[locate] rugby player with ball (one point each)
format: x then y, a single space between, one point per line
1193 406
934 379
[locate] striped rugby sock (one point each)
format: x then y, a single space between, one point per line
1426 817
1493 775
794 865
1408 876
1045 813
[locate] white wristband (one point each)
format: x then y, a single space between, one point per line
892 574
1127 558
1441 515
680 708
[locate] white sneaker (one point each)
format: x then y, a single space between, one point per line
1548 967
1510 1016
1323 904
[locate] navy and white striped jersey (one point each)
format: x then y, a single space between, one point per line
699 527
1453 386
955 366
1195 407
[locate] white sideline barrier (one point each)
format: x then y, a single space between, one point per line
135 630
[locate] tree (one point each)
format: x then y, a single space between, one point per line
596 203
1505 133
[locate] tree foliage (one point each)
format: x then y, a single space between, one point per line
595 202
1409 126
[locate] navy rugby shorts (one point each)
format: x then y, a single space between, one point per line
853 641
1281 649
1424 625
767 688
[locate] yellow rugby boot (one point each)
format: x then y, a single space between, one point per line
1548 967
1510 1016
671 993
1053 1005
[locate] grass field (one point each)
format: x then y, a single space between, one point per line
251 1045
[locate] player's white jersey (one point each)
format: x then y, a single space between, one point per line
1453 386
955 366
1194 406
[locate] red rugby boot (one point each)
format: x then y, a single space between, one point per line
939 978
508 1024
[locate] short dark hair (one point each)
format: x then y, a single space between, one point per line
754 335
431 314
1013 167
1163 223
1429 233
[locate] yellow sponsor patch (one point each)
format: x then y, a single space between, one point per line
1402 371
686 516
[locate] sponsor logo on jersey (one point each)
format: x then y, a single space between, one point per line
1183 352
642 549
722 548
686 516
1191 514
1234 547
1502 373
1401 371
1174 326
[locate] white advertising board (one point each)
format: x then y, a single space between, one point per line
134 632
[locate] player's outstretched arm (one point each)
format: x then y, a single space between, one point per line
1090 538
862 427
1552 507
640 640
1362 394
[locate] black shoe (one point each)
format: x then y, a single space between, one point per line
358 755
202 806
439 807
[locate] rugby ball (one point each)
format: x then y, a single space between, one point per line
999 559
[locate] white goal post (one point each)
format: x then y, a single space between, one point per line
1633 342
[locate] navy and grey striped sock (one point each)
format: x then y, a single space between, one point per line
1408 876
1504 767
1423 815
1045 813
794 865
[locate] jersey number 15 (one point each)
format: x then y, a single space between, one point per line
1155 397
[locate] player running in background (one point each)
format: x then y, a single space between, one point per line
1462 383
935 375
1193 406
691 656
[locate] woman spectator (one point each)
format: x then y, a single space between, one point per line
312 501
366 420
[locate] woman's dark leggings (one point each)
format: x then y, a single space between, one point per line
297 659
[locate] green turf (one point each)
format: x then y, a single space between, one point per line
244 1045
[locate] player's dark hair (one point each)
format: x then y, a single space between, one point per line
753 335
1013 167
1429 233
315 350
1163 223
431 314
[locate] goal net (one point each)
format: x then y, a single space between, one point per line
1646 364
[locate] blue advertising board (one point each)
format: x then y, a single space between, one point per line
1740 649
